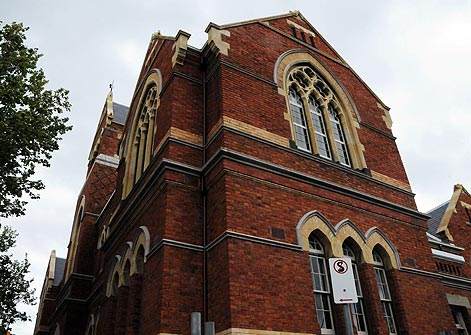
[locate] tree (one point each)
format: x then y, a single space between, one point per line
14 287
30 119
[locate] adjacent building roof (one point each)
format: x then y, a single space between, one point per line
436 216
120 112
59 271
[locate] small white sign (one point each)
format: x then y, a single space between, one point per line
343 281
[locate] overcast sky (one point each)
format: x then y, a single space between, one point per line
415 55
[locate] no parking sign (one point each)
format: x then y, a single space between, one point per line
343 281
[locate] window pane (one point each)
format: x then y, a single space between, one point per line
339 136
299 121
319 128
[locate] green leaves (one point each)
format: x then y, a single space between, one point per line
14 287
31 124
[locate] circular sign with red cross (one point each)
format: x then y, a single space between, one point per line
340 266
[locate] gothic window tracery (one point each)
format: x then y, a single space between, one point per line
321 130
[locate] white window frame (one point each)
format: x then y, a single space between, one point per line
317 255
348 252
299 129
384 293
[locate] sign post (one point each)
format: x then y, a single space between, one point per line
343 286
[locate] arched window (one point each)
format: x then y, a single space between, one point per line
115 284
356 310
384 293
320 280
126 273
140 260
141 137
321 132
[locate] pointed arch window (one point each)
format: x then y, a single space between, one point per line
384 293
321 131
141 140
357 310
321 283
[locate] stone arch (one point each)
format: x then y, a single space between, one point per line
126 264
314 221
326 242
347 230
133 155
344 230
139 260
376 238
142 239
115 270
347 110
75 236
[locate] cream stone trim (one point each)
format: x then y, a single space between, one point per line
465 205
450 210
74 237
458 300
112 161
127 257
248 129
179 134
129 253
336 236
387 116
297 26
180 46
116 269
154 42
347 110
215 38
390 181
376 237
130 151
242 331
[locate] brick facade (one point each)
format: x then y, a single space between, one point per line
220 217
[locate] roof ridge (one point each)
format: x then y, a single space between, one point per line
241 23
437 207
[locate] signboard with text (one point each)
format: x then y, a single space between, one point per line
343 281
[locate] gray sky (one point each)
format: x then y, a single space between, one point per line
415 55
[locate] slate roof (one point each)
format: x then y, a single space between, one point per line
120 113
59 271
436 216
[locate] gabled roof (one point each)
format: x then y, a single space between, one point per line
436 216
59 271
442 214
298 14
120 112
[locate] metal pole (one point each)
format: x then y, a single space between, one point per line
195 323
209 328
348 319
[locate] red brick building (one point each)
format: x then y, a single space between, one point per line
237 172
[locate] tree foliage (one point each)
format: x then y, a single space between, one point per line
14 287
31 124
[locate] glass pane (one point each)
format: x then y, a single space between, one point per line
299 121
319 128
